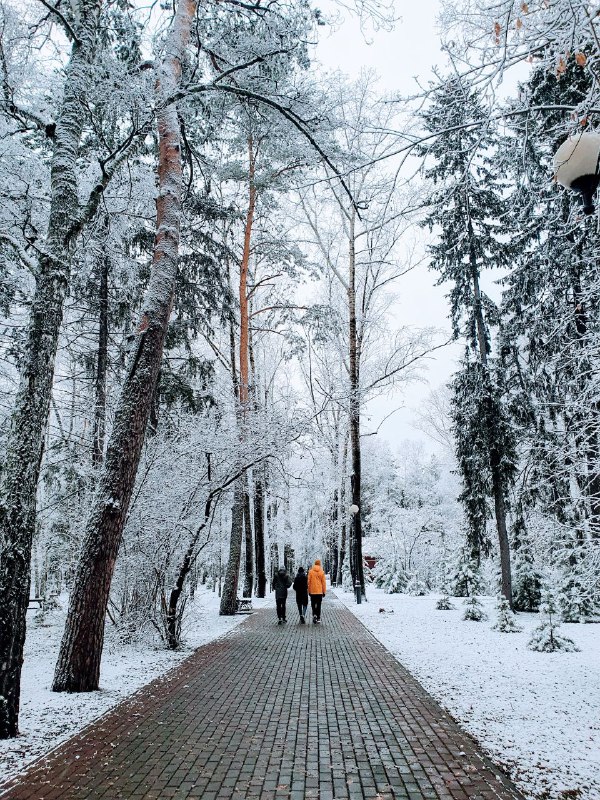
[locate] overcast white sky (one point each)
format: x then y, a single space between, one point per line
398 56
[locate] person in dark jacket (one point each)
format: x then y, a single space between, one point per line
281 583
300 586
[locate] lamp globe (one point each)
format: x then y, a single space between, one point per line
576 166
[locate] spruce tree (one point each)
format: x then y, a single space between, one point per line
546 638
550 336
467 208
505 618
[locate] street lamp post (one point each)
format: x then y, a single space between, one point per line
576 166
354 509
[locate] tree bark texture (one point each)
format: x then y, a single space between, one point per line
24 450
249 543
343 516
258 485
243 286
101 368
259 537
230 584
355 453
78 666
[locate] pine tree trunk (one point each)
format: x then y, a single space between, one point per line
230 584
24 449
101 368
78 666
249 544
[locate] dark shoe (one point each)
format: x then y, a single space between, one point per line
302 620
315 620
279 621
284 619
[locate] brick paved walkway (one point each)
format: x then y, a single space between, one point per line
274 712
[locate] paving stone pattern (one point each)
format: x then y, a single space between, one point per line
271 712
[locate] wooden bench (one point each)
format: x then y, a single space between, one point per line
244 605
36 602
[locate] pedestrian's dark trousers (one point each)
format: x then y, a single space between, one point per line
315 604
281 607
301 608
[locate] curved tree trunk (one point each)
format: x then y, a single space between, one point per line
25 445
78 666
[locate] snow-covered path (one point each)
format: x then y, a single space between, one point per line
272 712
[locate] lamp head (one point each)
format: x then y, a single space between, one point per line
576 166
354 509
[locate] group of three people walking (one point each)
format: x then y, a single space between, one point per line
304 585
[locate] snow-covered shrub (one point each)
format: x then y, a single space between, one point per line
545 638
389 576
505 619
578 598
415 585
444 604
347 583
474 609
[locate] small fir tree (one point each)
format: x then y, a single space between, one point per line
415 585
527 586
576 599
467 580
545 638
505 621
444 603
474 609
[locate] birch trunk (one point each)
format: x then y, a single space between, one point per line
78 666
25 444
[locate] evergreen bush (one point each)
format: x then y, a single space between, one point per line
545 638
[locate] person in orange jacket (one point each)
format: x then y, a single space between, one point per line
316 589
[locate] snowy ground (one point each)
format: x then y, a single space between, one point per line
538 714
47 719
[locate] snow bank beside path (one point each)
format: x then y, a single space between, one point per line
47 718
537 714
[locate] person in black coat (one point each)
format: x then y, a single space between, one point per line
300 586
281 583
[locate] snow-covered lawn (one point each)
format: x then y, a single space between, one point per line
47 719
538 714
